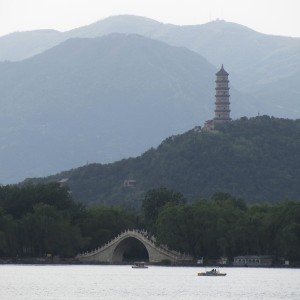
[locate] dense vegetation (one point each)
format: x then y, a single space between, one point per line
36 220
225 226
255 159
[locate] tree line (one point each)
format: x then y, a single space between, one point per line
36 220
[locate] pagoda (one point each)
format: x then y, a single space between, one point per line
222 110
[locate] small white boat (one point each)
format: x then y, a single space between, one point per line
139 265
213 272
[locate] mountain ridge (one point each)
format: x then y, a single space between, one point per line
253 58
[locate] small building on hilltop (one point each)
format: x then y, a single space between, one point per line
222 104
129 183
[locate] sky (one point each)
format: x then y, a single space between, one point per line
278 17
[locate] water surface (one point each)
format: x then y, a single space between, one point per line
77 282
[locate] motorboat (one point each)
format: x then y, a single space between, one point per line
213 272
139 265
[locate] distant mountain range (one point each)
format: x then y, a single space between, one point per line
253 58
117 87
255 159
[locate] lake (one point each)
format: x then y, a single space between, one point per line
78 282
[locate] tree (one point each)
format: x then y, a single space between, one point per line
154 202
104 223
203 228
19 200
8 235
48 230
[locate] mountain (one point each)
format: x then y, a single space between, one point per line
255 159
280 93
21 45
100 100
254 60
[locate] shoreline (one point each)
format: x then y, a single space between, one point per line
72 261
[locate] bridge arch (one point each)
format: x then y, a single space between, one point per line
126 247
113 251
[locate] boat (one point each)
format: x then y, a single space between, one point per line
213 272
139 265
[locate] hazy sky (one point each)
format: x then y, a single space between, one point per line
281 17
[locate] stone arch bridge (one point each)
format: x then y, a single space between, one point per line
113 251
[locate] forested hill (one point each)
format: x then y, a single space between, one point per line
256 159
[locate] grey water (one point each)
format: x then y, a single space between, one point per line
78 282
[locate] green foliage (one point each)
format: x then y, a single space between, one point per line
50 222
227 227
8 234
41 219
27 196
103 223
48 230
204 227
254 159
154 202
